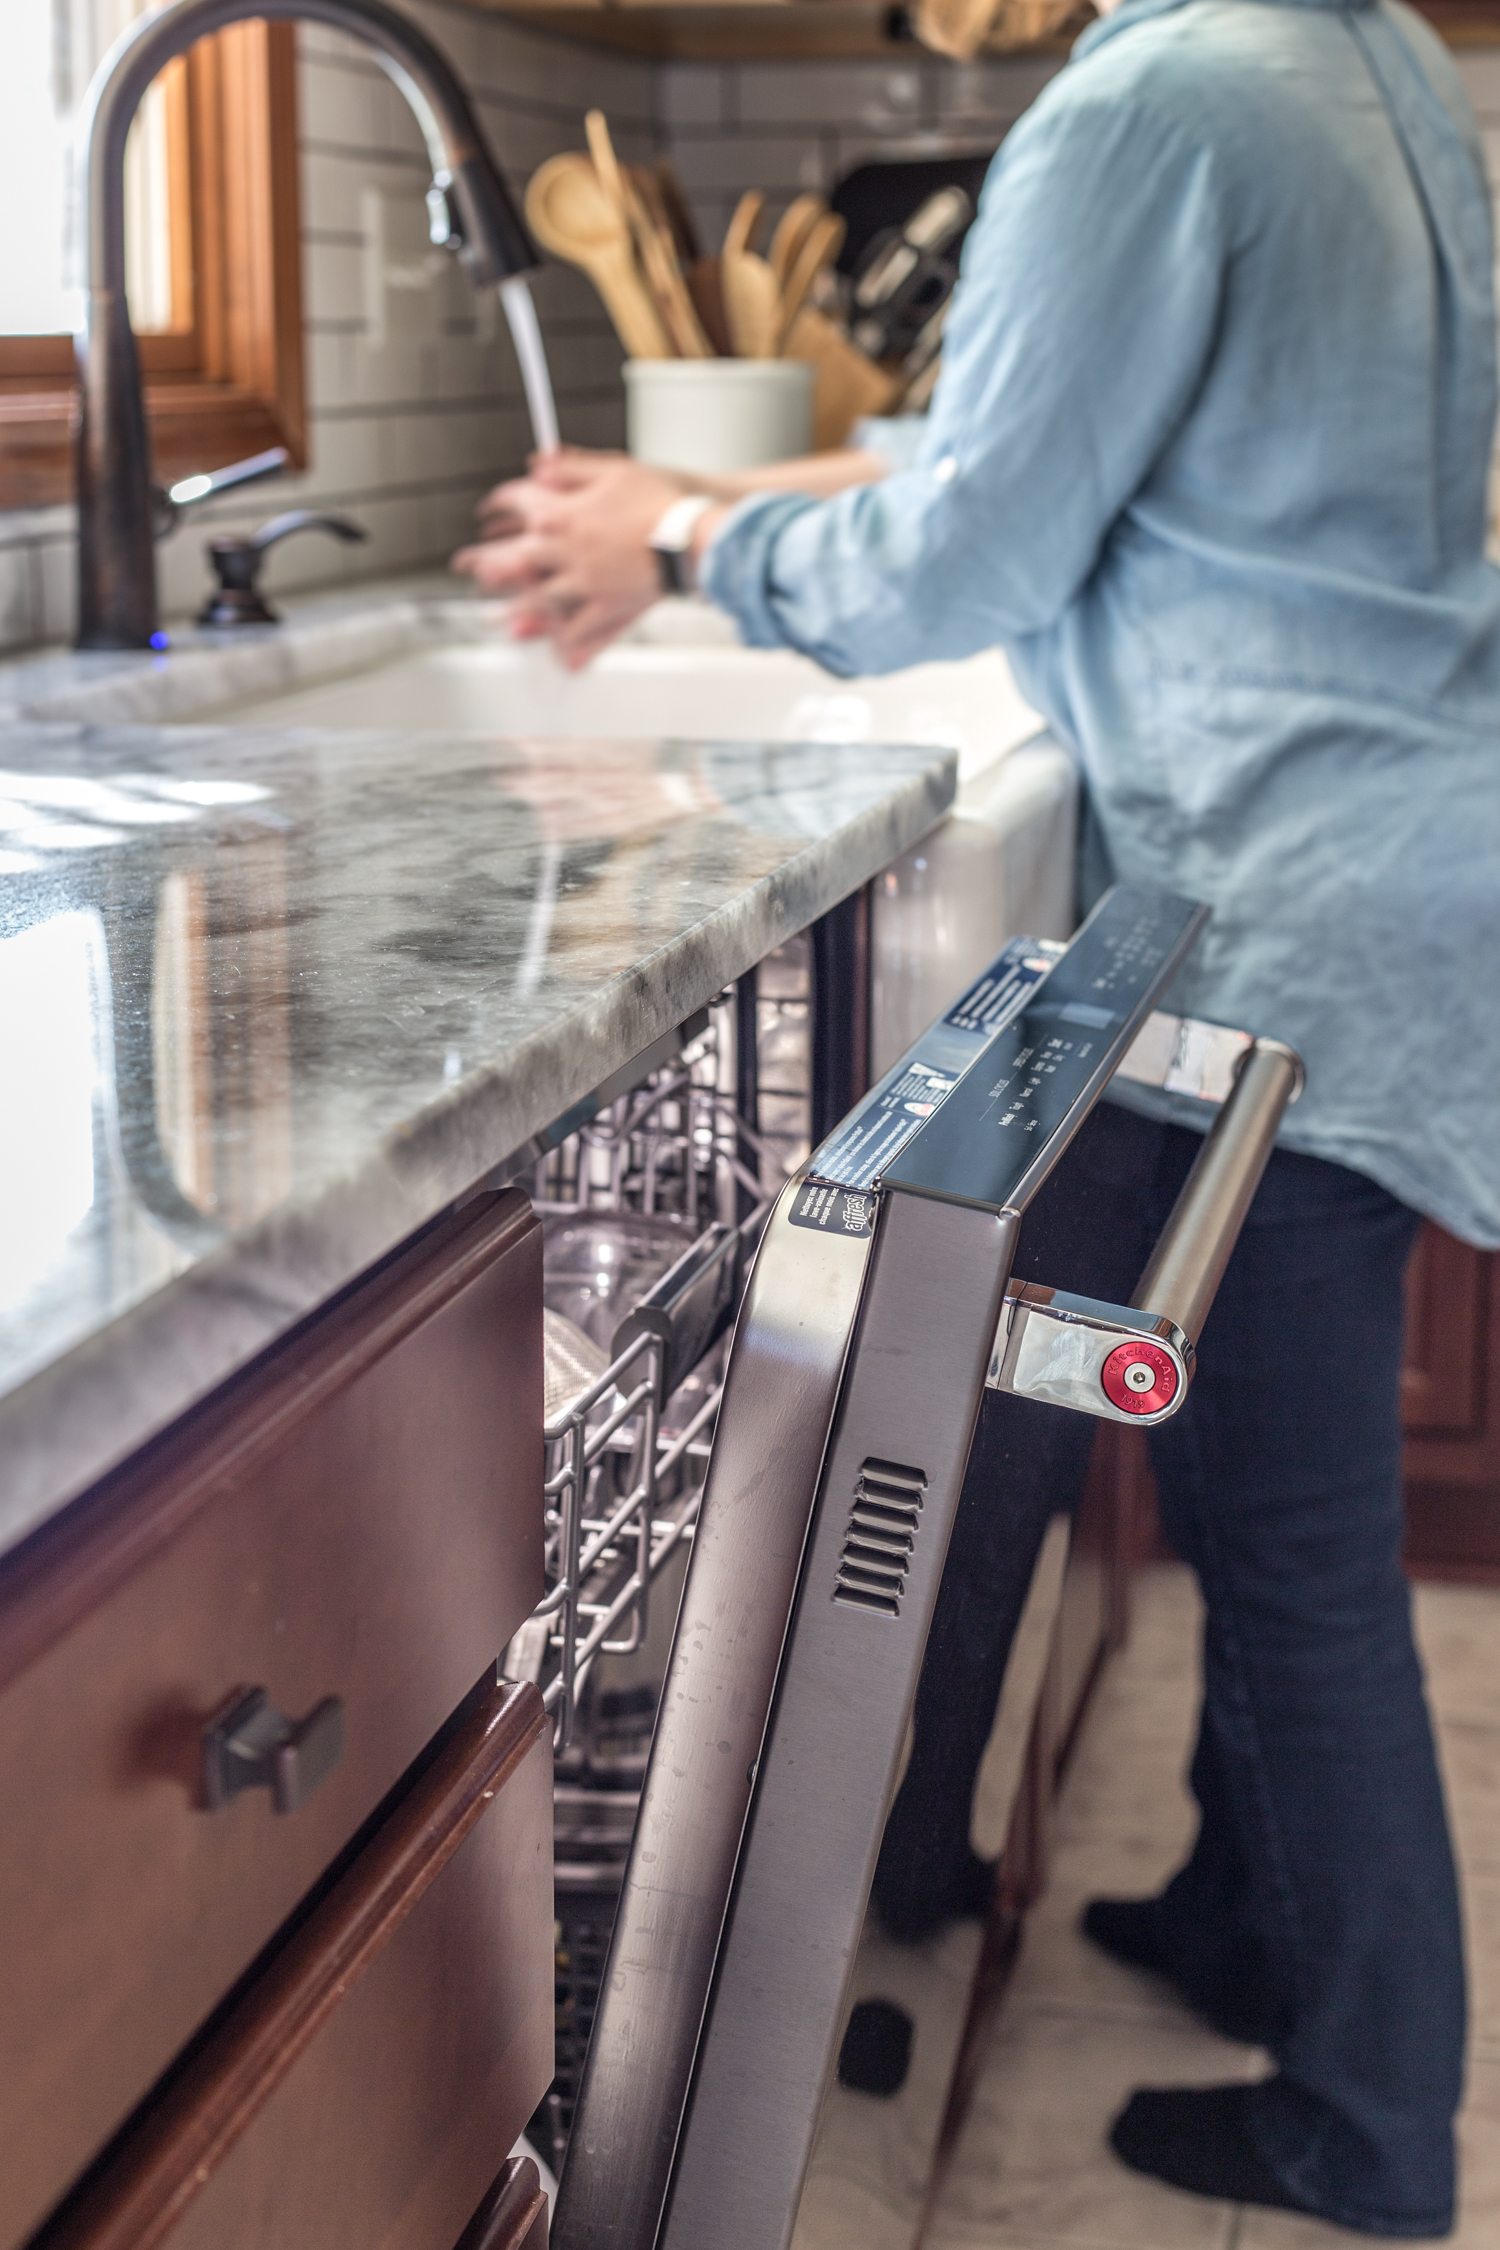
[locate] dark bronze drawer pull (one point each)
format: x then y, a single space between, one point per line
247 1744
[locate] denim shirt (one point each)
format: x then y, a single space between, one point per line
1208 458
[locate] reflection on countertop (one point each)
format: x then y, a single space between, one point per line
270 1001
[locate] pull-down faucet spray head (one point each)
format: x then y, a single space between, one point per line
116 555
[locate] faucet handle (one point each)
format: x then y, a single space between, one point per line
237 599
189 491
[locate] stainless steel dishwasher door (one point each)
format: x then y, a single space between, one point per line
875 1315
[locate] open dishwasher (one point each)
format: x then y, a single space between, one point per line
877 1309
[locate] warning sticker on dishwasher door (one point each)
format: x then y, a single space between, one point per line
832 1210
995 997
871 1135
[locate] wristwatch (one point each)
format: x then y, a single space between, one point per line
672 540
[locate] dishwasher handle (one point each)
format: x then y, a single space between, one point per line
1187 1265
1133 1363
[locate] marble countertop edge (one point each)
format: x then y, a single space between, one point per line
71 1422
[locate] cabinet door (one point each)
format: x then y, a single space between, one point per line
359 1517
372 2077
1451 1408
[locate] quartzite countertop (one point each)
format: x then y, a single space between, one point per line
269 1002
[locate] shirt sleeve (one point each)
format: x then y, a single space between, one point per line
1080 333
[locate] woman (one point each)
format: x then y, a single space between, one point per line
1209 459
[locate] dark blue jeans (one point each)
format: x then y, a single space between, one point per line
1322 1878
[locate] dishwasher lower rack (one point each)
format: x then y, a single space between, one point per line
651 1208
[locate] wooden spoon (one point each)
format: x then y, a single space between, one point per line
792 229
821 245
678 210
570 215
752 304
745 224
705 284
658 241
657 258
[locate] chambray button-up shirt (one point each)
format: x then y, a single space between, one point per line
1208 457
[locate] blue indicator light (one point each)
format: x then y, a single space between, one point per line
161 640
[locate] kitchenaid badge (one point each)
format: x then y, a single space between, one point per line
832 1210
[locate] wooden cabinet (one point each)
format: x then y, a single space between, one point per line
372 2078
1451 1409
357 1517
794 30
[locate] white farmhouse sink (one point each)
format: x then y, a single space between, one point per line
1001 863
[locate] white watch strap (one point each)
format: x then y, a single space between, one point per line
673 535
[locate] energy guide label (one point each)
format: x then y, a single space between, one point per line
868 1140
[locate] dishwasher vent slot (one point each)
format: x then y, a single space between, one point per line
881 1536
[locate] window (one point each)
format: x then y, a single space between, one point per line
212 249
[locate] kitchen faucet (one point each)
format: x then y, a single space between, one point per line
470 208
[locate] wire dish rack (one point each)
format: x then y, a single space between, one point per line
651 1208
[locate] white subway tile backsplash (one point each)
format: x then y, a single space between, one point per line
342 449
18 624
337 103
459 33
689 94
598 420
55 590
831 93
332 282
719 161
564 298
523 138
395 127
556 74
993 89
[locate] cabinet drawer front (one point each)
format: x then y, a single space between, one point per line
359 1517
369 2083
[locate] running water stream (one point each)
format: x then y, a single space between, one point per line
515 296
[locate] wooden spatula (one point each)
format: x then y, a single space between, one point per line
820 246
752 304
570 215
744 226
792 230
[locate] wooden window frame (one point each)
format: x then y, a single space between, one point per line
230 380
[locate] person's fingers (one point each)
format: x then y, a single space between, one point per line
498 518
590 629
499 500
523 502
532 619
573 467
511 566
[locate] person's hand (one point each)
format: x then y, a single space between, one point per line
569 543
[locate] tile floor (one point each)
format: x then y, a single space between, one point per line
1076 2033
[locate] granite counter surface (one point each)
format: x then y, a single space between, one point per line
271 1001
